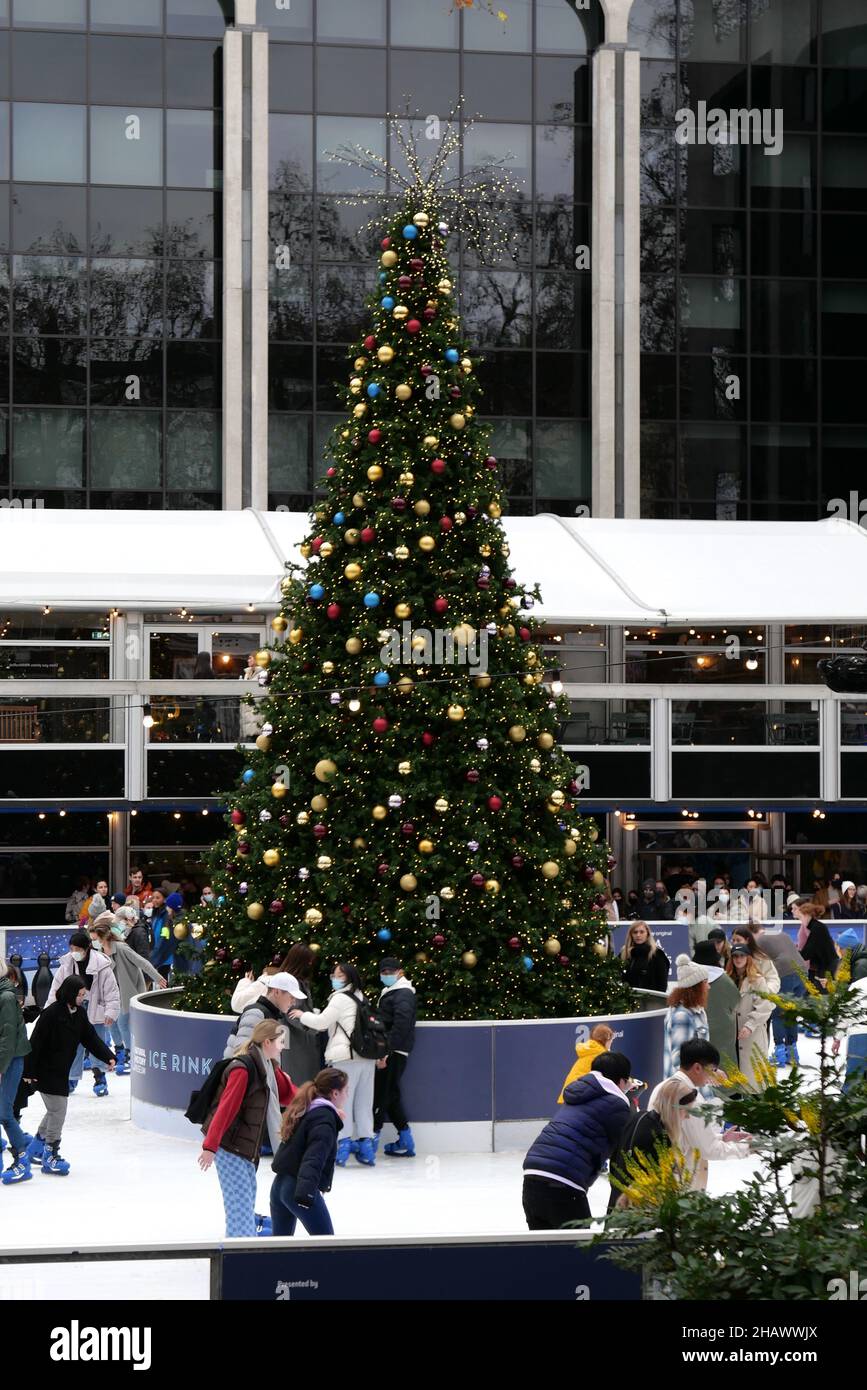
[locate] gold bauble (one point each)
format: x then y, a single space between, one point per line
485 550
197 931
426 543
279 624
303 818
567 902
325 770
326 550
319 803
431 441
359 842
425 846
505 548
324 861
469 411
328 668
374 473
279 789
469 959
255 911
406 479
352 570
404 768
358 499
180 931
550 869
263 659
601 948
379 812
545 740
482 681
457 421
570 847
466 365
312 917
400 312
402 610
532 658
421 219
355 385
271 858
492 886
305 551
535 765
529 679
403 392
354 645
408 883
441 805
263 743
444 286
405 685
388 259
552 946
460 518
598 879
314 947
552 807
593 833
448 893
495 510
359 410
351 536
421 957
385 353
558 798
401 553
517 733
422 507
360 363
463 634
455 712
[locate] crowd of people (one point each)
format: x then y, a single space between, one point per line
683 895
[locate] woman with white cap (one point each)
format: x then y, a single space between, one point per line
686 1016
848 908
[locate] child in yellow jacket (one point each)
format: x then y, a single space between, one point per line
600 1041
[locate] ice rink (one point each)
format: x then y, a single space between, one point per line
129 1186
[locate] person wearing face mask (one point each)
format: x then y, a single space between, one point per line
397 1011
103 1001
130 971
337 1019
132 923
61 1029
163 937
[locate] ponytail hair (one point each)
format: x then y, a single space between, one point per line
322 1086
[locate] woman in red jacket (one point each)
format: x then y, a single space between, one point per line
234 1129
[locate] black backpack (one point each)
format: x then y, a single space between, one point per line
368 1038
642 1133
202 1101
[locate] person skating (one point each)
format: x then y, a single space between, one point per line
722 1004
14 1049
701 1139
337 1019
754 1012
239 1119
648 1133
103 999
162 935
783 954
282 994
569 1154
60 1030
685 1017
850 940
646 965
600 1040
397 1012
130 971
815 943
304 1162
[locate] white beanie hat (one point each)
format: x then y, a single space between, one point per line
689 974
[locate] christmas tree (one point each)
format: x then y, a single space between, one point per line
407 795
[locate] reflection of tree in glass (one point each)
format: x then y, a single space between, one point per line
496 307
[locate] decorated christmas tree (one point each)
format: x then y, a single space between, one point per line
407 795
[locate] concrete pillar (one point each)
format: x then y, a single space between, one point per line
602 379
629 297
259 265
233 270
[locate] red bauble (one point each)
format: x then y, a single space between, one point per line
277 907
478 880
346 909
455 393
494 803
331 472
564 960
438 466
221 953
385 243
440 605
316 543
407 828
374 436
524 634
514 943
612 861
398 504
370 342
439 939
429 314
509 583
238 818
426 369
446 523
243 846
483 582
380 724
490 461
573 786
404 281
237 965
382 870
428 739
368 535
589 871
472 775
413 326
333 611
285 821
320 831
416 263
518 861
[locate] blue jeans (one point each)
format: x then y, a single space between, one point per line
120 1031
285 1212
787 1033
78 1061
8 1091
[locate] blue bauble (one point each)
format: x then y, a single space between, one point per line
373 390
452 355
410 232
371 600
248 775
339 518
316 591
387 302
221 899
382 277
381 678
384 934
528 962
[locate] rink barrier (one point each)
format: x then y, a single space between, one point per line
550 1266
470 1086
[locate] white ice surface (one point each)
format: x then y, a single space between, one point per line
129 1186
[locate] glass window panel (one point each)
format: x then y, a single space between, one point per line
844 99
659 168
561 27
844 174
49 294
844 319
194 73
350 79
194 222
484 31
560 232
706 387
562 90
414 133
290 378
126 146
193 450
290 227
126 449
126 70
192 300
290 303
511 446
714 29
786 180
49 371
721 85
4 397
562 458
714 242
290 153
784 461
496 308
844 400
193 375
843 240
658 387
126 298
290 77
784 317
48 143
658 464
287 19
64 721
289 452
4 139
4 226
341 307
173 655
48 448
194 154
653 27
783 31
114 360
844 34
48 14
426 83
658 313
49 219
712 314
126 221
660 98
784 243
342 229
713 175
332 371
206 17
792 91
509 145
506 379
563 155
361 22
563 310
49 67
713 464
344 135
562 383
498 86
133 16
843 453
417 22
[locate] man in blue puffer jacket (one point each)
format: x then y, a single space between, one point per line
568 1155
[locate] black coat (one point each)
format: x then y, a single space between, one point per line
819 952
397 1010
309 1155
53 1044
648 972
657 910
139 939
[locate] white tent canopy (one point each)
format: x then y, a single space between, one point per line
645 573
